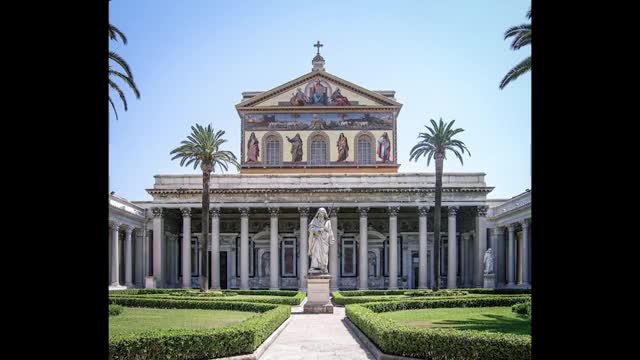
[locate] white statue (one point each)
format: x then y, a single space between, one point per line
488 261
320 237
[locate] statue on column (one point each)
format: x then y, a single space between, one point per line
320 237
488 261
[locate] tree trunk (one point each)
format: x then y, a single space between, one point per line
436 223
204 281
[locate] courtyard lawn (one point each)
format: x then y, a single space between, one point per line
137 320
491 319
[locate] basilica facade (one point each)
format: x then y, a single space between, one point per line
319 141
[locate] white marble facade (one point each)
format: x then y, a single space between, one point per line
384 209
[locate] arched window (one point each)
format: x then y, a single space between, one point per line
273 145
318 150
365 149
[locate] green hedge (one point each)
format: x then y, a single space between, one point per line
242 338
497 291
264 299
445 292
187 291
522 309
349 293
436 344
341 299
115 309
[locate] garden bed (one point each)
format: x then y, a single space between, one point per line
243 337
437 343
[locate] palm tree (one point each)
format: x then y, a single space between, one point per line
435 144
202 148
522 37
127 76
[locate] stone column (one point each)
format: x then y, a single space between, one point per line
525 252
274 273
215 248
115 259
422 250
393 247
466 246
333 250
452 245
244 248
128 258
303 255
480 246
511 260
157 246
363 258
186 248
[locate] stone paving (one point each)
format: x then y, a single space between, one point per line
316 337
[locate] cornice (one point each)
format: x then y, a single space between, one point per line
332 190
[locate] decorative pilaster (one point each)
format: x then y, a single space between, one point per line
393 246
480 245
452 268
244 248
115 251
422 249
303 254
274 273
333 249
128 257
363 259
214 213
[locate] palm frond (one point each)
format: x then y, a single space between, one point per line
115 87
521 68
113 107
439 141
114 32
127 80
120 61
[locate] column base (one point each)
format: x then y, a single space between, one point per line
392 288
129 285
511 284
274 288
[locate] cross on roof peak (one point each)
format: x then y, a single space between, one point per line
318 45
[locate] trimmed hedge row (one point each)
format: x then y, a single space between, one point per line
439 343
263 299
242 338
497 291
371 292
187 291
445 292
522 309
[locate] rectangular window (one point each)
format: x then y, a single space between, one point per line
364 152
348 268
273 152
318 152
288 258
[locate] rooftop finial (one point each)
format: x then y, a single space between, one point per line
318 60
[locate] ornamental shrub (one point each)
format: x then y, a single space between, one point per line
523 308
115 310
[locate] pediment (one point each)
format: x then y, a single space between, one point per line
318 89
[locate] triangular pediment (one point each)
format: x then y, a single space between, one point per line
318 89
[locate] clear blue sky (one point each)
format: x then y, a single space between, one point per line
192 59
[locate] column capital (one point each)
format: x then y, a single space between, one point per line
363 211
496 230
511 227
482 210
466 236
128 229
453 210
214 212
186 212
423 210
333 211
525 223
115 225
273 211
304 211
393 210
244 211
157 212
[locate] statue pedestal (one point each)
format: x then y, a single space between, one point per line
490 281
318 295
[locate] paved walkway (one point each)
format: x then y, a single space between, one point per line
316 337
